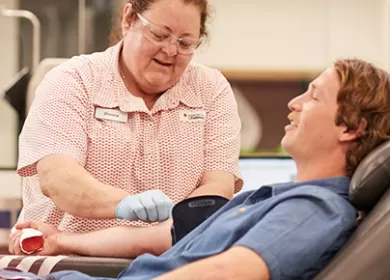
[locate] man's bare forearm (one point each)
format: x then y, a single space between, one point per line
126 241
75 191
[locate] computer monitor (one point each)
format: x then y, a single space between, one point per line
260 171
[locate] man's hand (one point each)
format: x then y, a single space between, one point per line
50 234
149 206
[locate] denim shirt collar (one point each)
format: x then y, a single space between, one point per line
339 185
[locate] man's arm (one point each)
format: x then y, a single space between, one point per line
215 183
128 242
234 264
124 241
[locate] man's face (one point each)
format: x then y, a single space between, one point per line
312 130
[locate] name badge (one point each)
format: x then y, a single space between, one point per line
111 115
192 116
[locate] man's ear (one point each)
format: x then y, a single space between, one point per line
127 18
350 135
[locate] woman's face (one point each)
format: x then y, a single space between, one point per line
153 67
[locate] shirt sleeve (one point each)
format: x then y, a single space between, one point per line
299 234
56 123
222 132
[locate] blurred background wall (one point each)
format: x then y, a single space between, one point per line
296 34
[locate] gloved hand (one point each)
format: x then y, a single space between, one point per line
149 206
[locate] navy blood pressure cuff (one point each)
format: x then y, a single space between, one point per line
190 213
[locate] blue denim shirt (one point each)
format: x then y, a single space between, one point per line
295 228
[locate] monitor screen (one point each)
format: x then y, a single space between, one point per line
259 171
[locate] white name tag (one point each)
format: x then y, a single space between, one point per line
192 116
111 114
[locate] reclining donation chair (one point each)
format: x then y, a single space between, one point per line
366 256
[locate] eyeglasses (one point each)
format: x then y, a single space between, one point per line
162 37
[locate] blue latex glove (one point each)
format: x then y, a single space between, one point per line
149 206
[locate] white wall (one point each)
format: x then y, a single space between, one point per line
8 67
295 34
10 185
9 181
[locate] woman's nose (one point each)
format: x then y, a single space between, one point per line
170 48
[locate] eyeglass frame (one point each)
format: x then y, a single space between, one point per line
173 38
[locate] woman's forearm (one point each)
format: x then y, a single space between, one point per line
128 242
75 191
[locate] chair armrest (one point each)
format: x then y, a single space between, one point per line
42 265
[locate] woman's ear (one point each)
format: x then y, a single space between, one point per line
127 18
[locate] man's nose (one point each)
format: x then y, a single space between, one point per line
295 103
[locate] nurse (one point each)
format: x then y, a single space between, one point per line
114 139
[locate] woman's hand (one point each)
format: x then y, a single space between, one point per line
50 234
149 206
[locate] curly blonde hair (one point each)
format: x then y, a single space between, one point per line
364 98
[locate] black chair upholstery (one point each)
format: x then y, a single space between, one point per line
371 179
